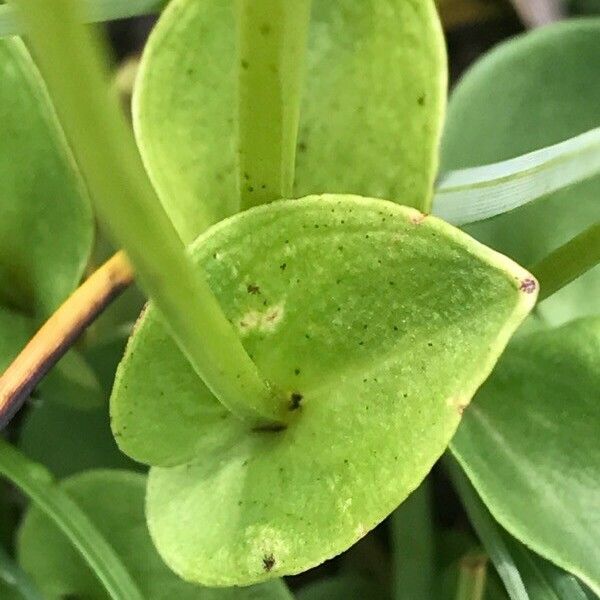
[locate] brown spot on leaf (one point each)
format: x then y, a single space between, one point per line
528 286
268 562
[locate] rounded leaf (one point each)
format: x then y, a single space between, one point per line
529 444
370 120
114 501
42 194
538 89
379 323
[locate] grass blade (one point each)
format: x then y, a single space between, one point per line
35 481
489 532
479 193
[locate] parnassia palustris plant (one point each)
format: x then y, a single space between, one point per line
302 364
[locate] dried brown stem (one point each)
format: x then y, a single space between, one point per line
60 332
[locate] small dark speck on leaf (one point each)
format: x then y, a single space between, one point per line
253 289
296 371
268 562
295 400
250 189
302 147
421 100
265 29
245 64
283 266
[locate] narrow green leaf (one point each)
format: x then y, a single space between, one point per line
413 545
125 200
530 92
489 533
15 584
114 503
270 62
529 445
379 349
35 481
42 194
479 193
93 11
543 580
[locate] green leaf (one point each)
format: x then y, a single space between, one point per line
114 502
42 194
543 580
370 121
35 481
526 575
531 92
479 193
413 545
67 440
380 348
529 445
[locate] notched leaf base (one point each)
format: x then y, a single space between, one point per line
378 322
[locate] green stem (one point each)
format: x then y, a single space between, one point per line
472 577
35 481
413 545
94 11
70 60
568 262
271 48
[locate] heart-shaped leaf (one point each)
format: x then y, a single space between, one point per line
380 324
42 194
529 445
370 120
536 90
114 502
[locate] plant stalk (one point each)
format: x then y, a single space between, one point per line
70 60
94 11
272 37
568 262
60 332
472 577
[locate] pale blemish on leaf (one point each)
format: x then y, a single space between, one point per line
266 321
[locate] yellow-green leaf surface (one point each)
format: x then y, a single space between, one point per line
370 119
533 91
46 225
529 444
114 502
378 322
